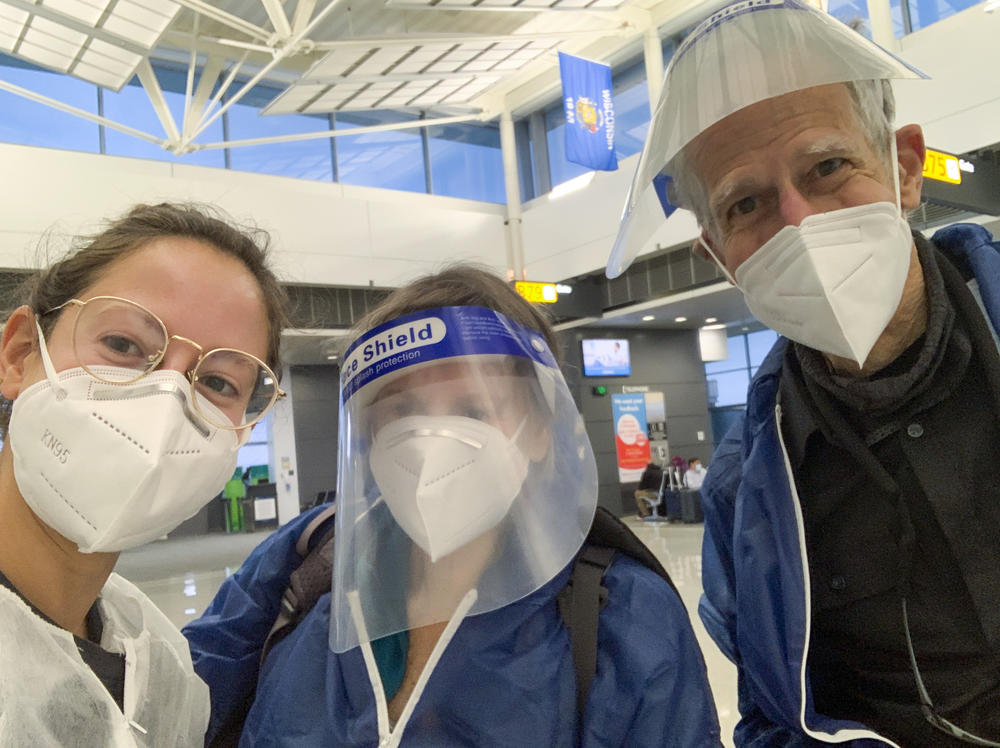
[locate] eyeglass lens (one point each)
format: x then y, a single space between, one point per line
118 341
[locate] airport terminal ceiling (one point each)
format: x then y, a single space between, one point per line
439 61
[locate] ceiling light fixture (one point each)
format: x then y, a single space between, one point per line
710 320
680 319
719 326
648 318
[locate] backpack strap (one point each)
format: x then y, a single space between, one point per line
609 531
584 596
580 603
310 581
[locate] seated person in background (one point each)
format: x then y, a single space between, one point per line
695 474
131 376
648 489
466 487
851 557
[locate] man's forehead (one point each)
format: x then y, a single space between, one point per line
802 123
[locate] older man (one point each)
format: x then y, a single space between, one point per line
852 545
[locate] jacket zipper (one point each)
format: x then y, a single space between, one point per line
841 735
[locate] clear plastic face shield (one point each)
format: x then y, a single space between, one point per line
744 53
464 467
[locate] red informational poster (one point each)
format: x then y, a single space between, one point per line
631 440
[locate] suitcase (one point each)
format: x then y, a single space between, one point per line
690 506
672 507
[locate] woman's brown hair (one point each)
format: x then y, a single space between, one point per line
90 257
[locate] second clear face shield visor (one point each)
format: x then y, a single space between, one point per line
743 54
464 467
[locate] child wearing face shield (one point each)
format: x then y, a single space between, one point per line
466 488
130 377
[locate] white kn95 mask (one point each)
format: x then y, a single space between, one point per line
834 282
447 479
113 466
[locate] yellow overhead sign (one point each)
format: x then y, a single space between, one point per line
537 293
943 167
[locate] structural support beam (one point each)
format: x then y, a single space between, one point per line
189 82
209 74
414 40
289 48
217 97
388 127
403 5
333 80
880 17
303 14
149 82
82 113
653 56
515 237
228 19
278 18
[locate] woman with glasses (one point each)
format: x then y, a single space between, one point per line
131 376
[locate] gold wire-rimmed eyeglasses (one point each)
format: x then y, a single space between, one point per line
119 341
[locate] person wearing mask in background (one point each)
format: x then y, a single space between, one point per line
695 474
131 376
851 559
466 487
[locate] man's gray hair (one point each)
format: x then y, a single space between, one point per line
875 108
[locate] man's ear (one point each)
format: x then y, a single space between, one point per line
20 339
911 150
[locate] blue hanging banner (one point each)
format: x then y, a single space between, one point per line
590 113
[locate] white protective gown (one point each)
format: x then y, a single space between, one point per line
49 698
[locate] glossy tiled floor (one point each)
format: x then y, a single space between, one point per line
182 575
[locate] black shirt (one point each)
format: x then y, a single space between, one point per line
912 511
109 667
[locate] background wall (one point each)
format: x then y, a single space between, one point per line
666 360
322 233
316 419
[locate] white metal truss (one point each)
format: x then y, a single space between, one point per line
449 72
512 5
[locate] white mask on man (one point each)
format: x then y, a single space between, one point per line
833 282
113 466
447 479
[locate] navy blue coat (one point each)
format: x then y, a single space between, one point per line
505 679
754 566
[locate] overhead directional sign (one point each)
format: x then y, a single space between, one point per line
537 293
964 182
943 167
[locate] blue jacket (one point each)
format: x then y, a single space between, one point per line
754 567
506 678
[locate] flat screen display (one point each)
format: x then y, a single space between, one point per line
606 357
